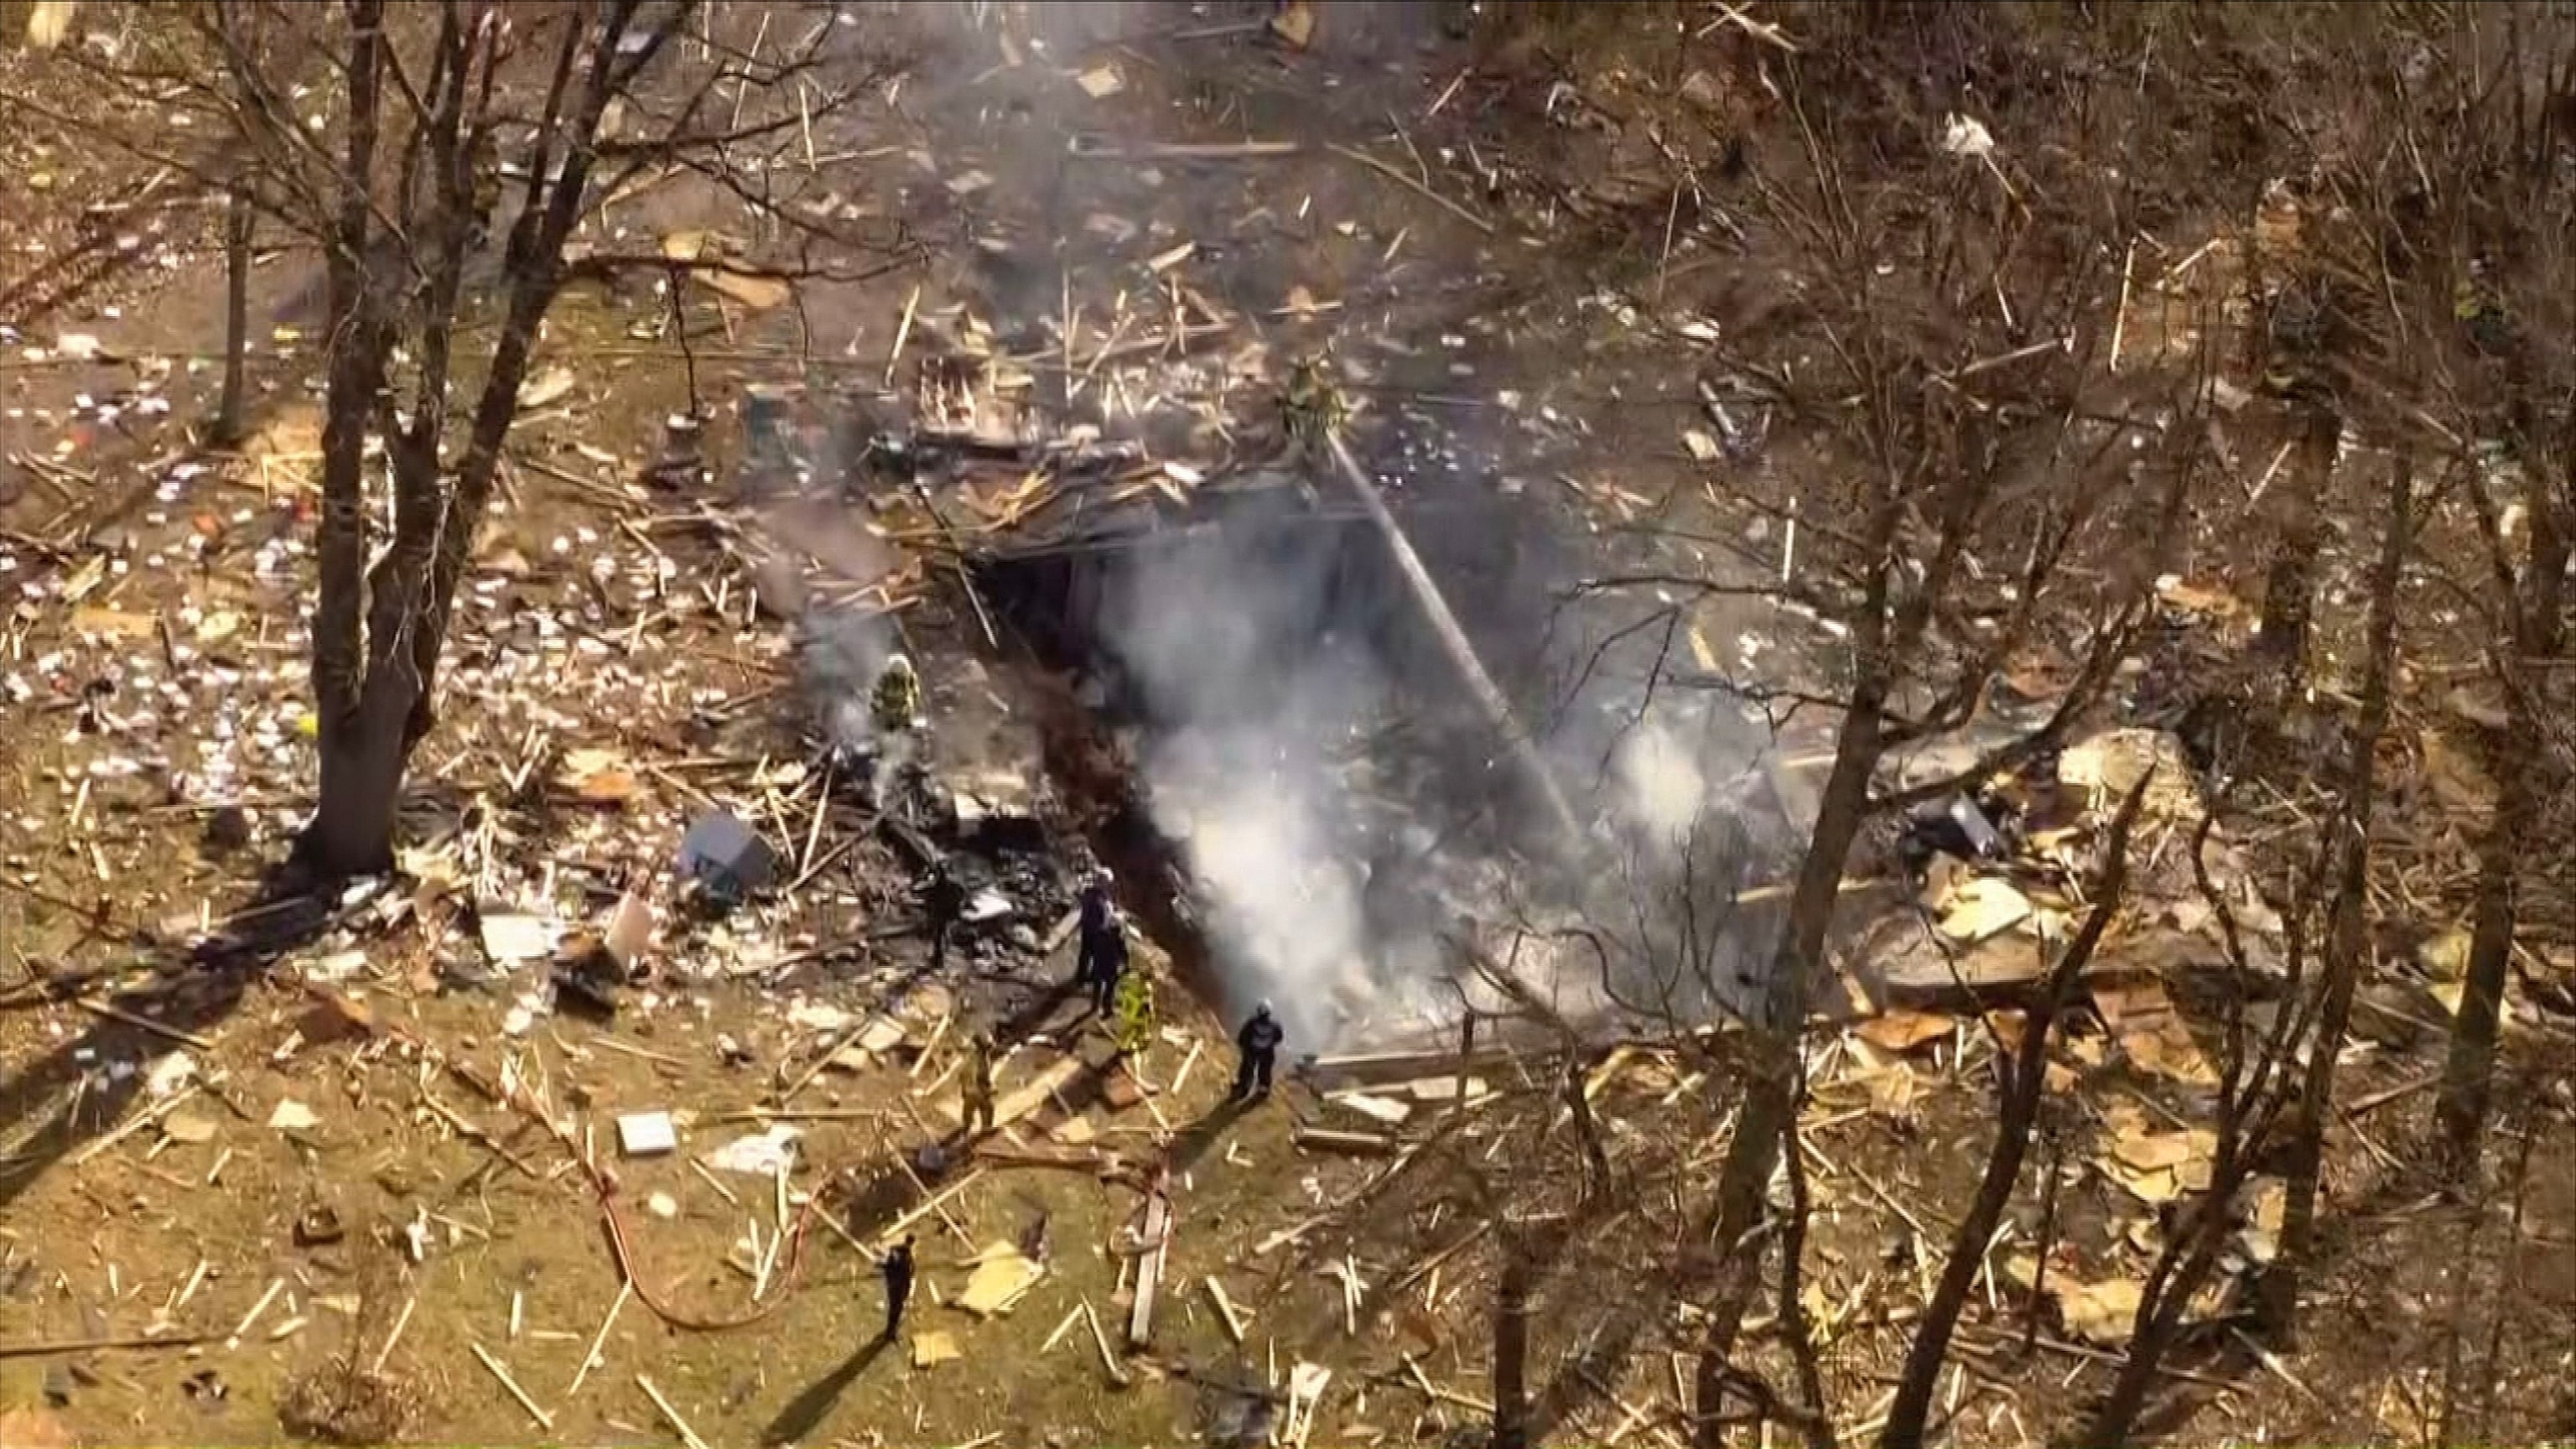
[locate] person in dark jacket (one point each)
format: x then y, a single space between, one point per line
1259 1043
1102 955
943 900
979 1084
1108 965
1097 908
897 1269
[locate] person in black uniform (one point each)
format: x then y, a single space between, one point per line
1259 1042
897 1269
979 1084
1108 965
1102 956
943 900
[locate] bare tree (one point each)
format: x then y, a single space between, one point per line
1966 423
2347 939
241 219
2261 1088
2024 1076
401 196
2492 305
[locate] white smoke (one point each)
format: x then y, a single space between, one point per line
1238 768
1324 884
1255 763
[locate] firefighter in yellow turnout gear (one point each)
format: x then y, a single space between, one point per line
895 703
1132 1020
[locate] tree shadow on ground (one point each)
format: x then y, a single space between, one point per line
804 1413
1038 1011
197 990
1195 1140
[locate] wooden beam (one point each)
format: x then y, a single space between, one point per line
1327 1074
1357 1144
1149 1268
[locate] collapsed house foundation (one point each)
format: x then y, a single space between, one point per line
1305 800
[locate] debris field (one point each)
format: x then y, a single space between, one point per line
596 1119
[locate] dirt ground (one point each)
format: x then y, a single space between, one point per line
274 1190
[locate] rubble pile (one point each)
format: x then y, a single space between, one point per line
802 891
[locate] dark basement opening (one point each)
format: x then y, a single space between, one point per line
1059 600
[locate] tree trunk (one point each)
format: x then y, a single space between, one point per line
1910 1412
2347 928
2289 585
534 262
1795 1329
1511 1346
352 827
231 420
2540 638
352 831
1771 1096
2468 1068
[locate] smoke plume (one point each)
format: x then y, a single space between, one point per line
1344 811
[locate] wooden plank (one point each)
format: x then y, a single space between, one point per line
1225 1308
1001 1156
1059 933
925 1208
1149 1268
1099 1340
1370 1068
1020 1101
1356 1144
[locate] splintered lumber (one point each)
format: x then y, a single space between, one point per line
1289 1234
275 1287
1060 932
544 1420
923 1209
1149 1268
1088 1163
1072 1316
1003 1276
1431 1264
1385 1111
946 1218
1332 1073
1355 1144
1435 1392
1100 1340
97 1006
590 1357
670 1415
2004 971
402 1321
47 1348
1029 1096
815 1068
148 1116
1603 1075
1225 1309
